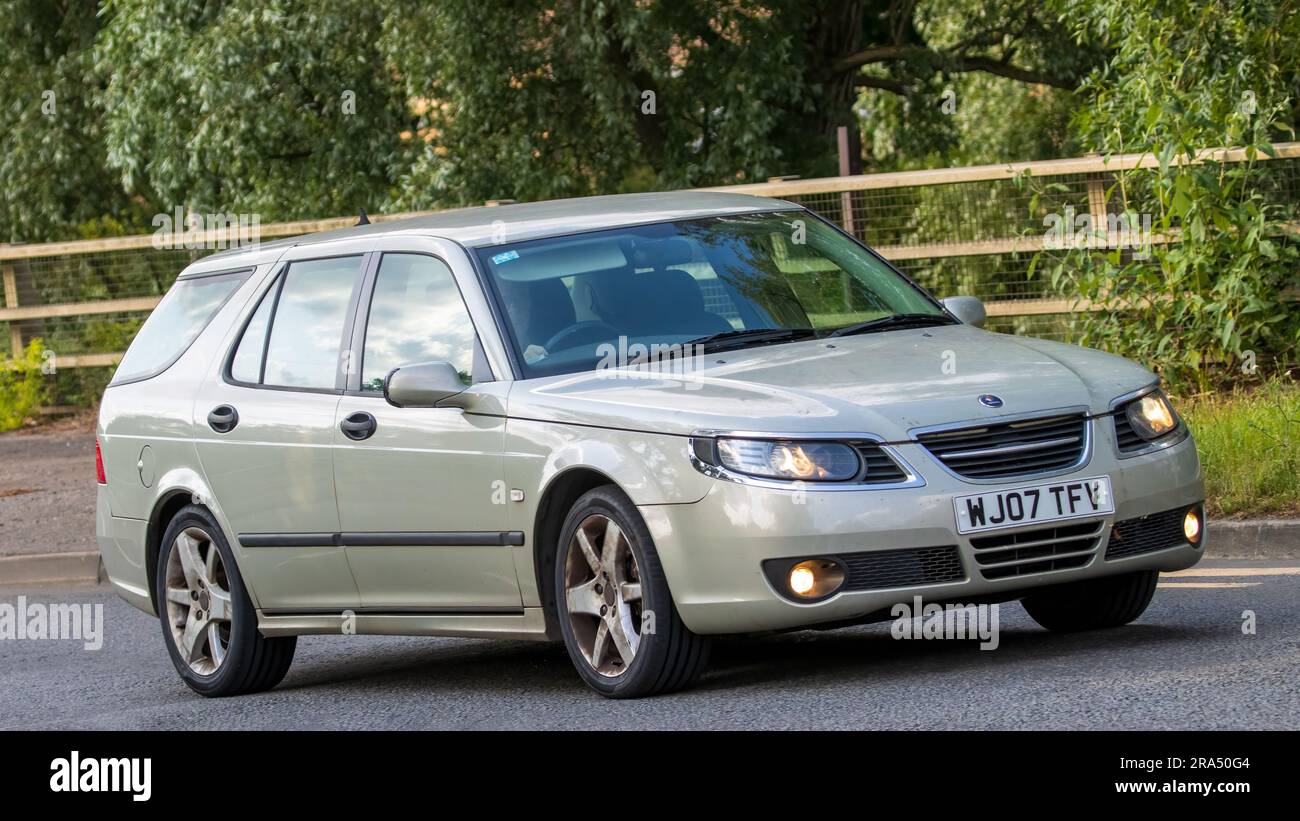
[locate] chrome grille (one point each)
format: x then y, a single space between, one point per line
1147 533
1061 547
880 468
1011 449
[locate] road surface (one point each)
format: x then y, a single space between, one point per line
1185 664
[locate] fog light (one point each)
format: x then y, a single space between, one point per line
1192 525
814 578
802 579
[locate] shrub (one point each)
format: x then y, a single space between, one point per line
22 386
1203 307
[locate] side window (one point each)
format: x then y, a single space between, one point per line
416 315
177 321
307 311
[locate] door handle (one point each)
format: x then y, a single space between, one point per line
223 418
358 426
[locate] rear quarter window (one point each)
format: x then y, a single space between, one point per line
177 321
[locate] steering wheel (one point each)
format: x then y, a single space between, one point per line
584 331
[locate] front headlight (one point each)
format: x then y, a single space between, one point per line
804 461
1151 416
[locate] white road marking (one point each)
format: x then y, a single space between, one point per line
1208 585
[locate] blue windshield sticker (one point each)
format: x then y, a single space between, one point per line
505 257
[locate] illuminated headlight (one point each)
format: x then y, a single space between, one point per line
802 461
1151 416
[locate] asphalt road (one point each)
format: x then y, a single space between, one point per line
1185 665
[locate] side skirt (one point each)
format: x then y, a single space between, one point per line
525 624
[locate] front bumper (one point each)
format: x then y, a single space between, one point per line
713 550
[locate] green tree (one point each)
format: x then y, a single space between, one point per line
958 82
533 99
320 107
284 109
53 168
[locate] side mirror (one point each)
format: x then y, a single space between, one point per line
967 308
423 385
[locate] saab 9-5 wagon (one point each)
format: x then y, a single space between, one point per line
626 423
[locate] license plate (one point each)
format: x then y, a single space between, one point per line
1048 502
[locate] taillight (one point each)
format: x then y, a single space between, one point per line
99 465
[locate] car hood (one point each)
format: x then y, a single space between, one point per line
883 383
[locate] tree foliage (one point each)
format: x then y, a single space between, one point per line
241 106
557 99
583 96
283 108
1210 305
53 170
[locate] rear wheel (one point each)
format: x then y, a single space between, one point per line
616 613
209 624
1094 604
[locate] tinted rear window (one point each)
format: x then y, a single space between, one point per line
174 325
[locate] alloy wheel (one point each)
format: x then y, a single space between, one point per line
603 595
198 601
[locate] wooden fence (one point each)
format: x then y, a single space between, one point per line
969 230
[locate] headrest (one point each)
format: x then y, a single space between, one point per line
661 253
674 287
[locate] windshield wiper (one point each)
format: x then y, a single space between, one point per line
752 336
891 323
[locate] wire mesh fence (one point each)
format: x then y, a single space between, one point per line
966 212
955 231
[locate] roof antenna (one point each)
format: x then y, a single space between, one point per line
364 220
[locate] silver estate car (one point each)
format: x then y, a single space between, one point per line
626 423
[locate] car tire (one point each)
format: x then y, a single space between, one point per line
1095 604
626 593
196 570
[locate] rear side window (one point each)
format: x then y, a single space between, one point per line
174 325
306 312
247 364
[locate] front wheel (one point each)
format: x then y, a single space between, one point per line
208 621
618 619
1094 604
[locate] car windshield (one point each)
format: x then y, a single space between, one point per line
718 282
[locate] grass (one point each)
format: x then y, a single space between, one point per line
1249 443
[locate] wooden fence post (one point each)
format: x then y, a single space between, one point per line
1097 205
850 151
11 301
